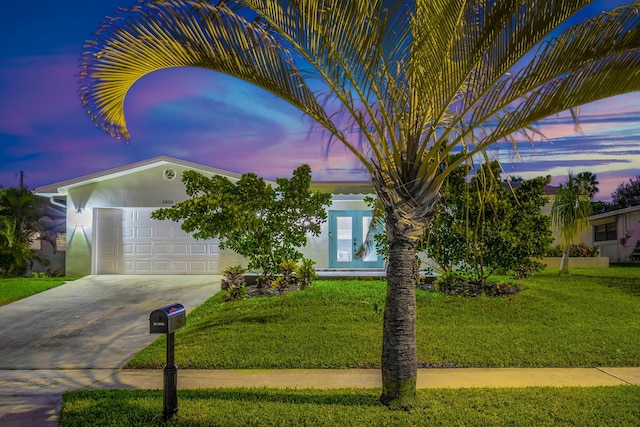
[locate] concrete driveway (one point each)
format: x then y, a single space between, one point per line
93 322
79 334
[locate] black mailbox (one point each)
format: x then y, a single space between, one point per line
168 319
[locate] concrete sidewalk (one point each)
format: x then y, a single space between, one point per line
27 382
371 378
33 397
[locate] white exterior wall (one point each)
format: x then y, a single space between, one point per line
317 247
146 188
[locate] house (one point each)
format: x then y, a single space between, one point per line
617 233
109 228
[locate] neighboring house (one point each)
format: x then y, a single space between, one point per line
617 233
109 229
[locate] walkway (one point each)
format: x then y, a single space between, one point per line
33 397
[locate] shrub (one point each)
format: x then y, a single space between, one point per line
233 283
288 279
581 250
457 282
306 273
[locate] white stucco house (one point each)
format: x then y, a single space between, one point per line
110 231
617 233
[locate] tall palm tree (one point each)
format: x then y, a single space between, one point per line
570 212
589 183
417 78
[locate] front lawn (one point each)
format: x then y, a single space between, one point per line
539 406
14 289
589 318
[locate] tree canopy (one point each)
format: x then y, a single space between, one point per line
484 226
264 224
627 194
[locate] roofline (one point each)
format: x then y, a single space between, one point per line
61 188
344 187
614 213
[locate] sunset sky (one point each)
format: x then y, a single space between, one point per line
215 120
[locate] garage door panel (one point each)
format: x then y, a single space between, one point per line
199 266
161 249
162 232
180 249
198 249
180 233
130 242
180 266
144 266
143 249
144 232
162 266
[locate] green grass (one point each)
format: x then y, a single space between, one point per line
15 289
596 406
589 318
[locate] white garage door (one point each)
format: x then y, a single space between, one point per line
128 241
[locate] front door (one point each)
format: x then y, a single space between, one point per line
347 231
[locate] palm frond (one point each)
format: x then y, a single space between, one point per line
594 60
182 33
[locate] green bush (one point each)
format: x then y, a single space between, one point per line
581 250
306 273
233 283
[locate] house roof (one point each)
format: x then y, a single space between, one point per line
615 213
62 187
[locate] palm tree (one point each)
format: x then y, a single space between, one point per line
18 213
570 212
417 79
589 183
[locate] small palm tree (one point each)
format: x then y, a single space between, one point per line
417 79
570 212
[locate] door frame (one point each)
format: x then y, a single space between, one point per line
357 234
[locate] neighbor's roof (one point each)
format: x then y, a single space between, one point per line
614 213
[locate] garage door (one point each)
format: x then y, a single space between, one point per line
128 241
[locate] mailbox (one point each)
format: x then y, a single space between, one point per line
168 319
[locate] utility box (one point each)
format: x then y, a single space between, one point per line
168 319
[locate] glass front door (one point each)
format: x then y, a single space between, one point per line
347 231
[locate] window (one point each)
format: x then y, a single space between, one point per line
605 232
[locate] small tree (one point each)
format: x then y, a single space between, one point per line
627 194
484 226
261 223
570 210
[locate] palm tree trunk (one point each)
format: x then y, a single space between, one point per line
564 263
399 353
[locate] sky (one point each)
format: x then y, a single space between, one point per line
215 120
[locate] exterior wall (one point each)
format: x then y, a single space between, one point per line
628 233
146 188
317 247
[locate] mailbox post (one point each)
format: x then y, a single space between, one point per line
167 320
